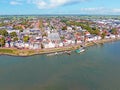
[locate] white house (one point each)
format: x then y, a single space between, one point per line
79 41
10 31
107 37
49 45
69 28
112 36
11 44
93 38
61 44
26 45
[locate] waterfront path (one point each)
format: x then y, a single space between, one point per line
28 52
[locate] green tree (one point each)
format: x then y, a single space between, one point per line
25 38
2 24
40 23
96 32
3 33
44 34
24 22
13 34
2 42
21 30
64 28
15 39
103 35
114 31
62 38
17 27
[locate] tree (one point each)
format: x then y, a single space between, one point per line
2 41
64 28
42 46
24 22
44 34
25 38
2 24
114 31
103 35
13 34
62 38
96 32
15 39
74 28
21 30
3 33
17 27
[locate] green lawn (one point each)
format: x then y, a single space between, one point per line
6 51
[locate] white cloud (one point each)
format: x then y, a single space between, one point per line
15 3
92 9
100 10
47 4
116 10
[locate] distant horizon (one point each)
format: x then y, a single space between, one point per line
60 15
30 7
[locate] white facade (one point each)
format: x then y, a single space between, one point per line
69 28
79 41
7 45
10 31
112 36
49 45
94 38
61 45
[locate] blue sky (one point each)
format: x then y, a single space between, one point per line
13 7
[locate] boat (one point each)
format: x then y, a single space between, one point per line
80 50
56 53
52 54
68 52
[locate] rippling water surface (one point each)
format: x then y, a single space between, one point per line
98 68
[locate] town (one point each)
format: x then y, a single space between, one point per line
43 32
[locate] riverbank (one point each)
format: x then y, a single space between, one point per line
27 52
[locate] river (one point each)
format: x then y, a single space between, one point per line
98 68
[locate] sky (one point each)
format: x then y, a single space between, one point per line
28 7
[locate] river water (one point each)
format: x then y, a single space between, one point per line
98 68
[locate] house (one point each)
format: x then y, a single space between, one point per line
11 44
112 36
90 38
35 45
87 33
54 37
10 31
26 45
107 37
78 27
69 28
19 44
61 44
67 42
49 45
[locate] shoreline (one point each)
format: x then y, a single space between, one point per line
26 53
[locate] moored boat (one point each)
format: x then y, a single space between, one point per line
80 50
68 52
56 53
52 54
